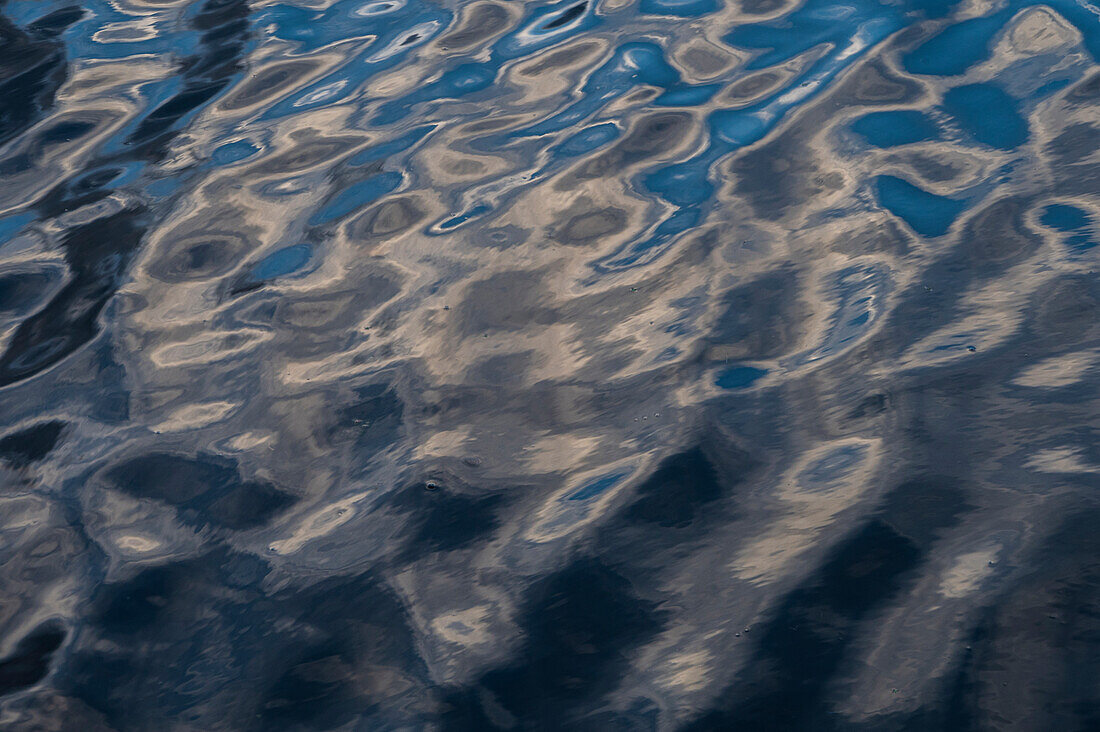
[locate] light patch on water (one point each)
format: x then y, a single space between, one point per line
968 573
194 416
464 627
1058 372
826 482
1061 460
689 671
136 543
319 523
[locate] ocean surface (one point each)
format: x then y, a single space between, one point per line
600 365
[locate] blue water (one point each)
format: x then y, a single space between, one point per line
584 365
891 129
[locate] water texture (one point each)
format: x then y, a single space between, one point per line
590 365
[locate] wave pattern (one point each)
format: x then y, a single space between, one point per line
600 364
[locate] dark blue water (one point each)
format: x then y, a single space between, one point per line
591 365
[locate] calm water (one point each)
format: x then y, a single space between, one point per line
594 365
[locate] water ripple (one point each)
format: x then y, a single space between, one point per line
596 364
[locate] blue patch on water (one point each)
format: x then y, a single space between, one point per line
632 64
683 184
685 95
86 39
932 8
465 79
455 221
281 263
1064 218
901 127
1080 242
739 377
679 8
1069 219
596 487
927 213
233 152
292 24
988 113
356 196
954 50
1050 88
677 223
13 224
164 187
393 147
809 26
739 128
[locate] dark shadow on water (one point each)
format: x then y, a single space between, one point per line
786 684
98 254
30 662
32 68
31 444
442 519
206 489
682 487
580 625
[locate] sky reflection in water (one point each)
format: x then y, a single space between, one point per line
618 365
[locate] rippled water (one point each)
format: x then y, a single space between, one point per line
594 365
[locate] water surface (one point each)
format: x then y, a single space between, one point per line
590 365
